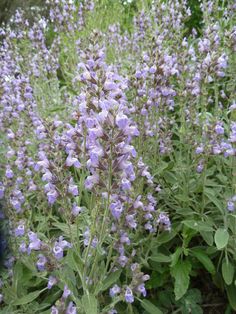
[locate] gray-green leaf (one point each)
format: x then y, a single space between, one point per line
204 259
221 238
181 272
28 298
150 307
227 272
90 304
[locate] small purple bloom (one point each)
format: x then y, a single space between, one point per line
199 150
51 282
71 309
219 129
125 184
34 245
122 260
54 310
76 210
164 220
41 262
66 292
9 173
23 247
114 291
73 189
52 195
20 231
129 298
230 206
122 121
142 290
58 252
116 209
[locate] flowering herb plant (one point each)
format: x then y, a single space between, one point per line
118 182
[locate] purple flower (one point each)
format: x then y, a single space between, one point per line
116 209
131 221
76 210
230 206
219 129
20 231
114 291
72 161
51 282
41 262
91 181
54 310
58 252
23 247
86 236
145 277
125 184
199 150
47 176
71 308
124 238
122 121
66 292
164 221
153 69
35 243
122 260
9 173
142 290
129 298
73 189
109 85
52 195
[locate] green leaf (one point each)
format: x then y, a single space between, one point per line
221 238
198 225
204 260
28 298
181 272
231 292
175 256
150 307
67 230
74 262
110 280
208 237
210 193
160 258
90 304
227 272
166 236
17 277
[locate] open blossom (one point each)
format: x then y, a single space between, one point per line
66 292
41 262
71 308
116 209
129 298
20 230
51 282
59 246
114 291
35 242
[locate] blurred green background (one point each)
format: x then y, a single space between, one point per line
8 7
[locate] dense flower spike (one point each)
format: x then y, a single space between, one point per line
118 147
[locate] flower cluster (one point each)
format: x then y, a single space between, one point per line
109 138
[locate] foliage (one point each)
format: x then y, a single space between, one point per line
118 130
